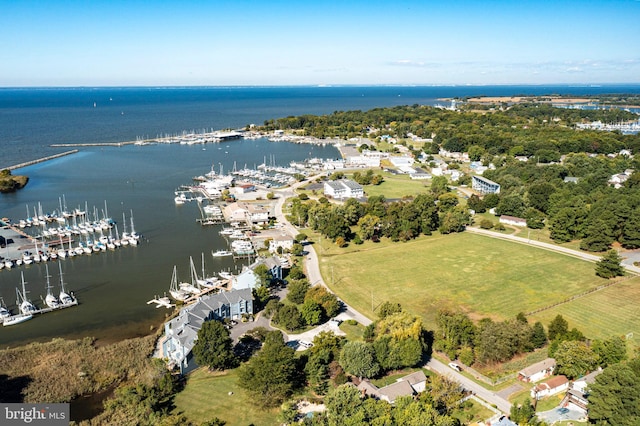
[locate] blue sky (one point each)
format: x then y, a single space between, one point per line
242 42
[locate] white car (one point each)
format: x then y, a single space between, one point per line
455 366
335 321
305 344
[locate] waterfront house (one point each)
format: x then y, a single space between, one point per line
181 332
248 279
284 241
537 371
552 386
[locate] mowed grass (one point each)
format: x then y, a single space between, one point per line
396 186
484 276
206 396
612 311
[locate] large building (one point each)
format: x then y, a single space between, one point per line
342 189
181 332
484 185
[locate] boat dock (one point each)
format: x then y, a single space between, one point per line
15 319
43 159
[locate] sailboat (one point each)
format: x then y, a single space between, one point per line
50 300
174 291
191 287
133 237
64 297
24 304
206 281
125 236
4 312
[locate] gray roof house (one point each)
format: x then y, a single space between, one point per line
181 332
537 371
405 386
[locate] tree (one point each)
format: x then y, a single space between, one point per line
455 220
610 351
297 290
271 375
609 265
575 359
614 398
324 298
358 358
311 312
558 327
368 226
439 185
289 317
214 347
476 204
511 205
538 335
387 308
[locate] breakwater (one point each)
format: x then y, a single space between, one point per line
67 145
40 160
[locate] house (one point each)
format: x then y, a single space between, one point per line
401 161
284 241
577 397
181 332
512 220
405 386
420 174
552 386
484 185
248 279
537 371
343 188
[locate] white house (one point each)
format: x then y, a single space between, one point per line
512 220
402 161
552 386
577 397
284 241
343 188
248 279
537 371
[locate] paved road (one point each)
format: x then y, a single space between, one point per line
482 393
547 246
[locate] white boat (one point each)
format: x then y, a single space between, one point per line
24 304
64 297
50 300
221 253
4 312
226 231
205 281
16 319
174 291
161 301
237 235
191 287
225 275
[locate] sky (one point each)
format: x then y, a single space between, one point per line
282 42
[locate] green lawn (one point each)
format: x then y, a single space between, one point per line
612 311
396 186
483 276
206 396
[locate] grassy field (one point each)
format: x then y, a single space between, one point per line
206 396
612 311
484 276
396 186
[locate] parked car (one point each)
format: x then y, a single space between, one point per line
305 344
455 366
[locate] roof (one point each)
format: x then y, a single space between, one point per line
337 186
368 388
589 378
538 367
552 383
416 377
396 390
351 184
485 180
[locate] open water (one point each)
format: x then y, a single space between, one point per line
113 287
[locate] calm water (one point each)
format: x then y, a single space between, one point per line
113 287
